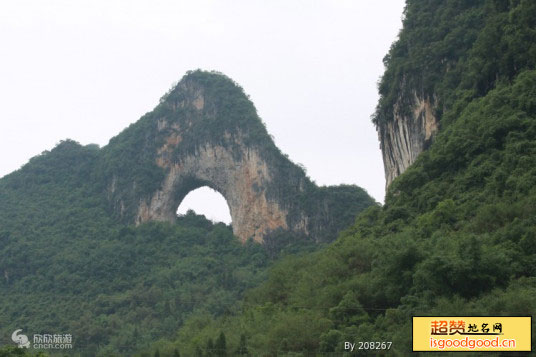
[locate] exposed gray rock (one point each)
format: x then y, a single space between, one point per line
404 137
241 182
206 132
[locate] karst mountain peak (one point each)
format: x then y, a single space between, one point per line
206 132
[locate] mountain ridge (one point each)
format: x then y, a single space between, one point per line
456 235
205 131
72 261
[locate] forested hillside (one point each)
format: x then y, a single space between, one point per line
74 261
457 233
115 288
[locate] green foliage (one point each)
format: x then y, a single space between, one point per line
461 241
209 109
128 161
226 109
242 347
332 208
230 119
113 287
12 351
468 46
220 347
72 263
456 235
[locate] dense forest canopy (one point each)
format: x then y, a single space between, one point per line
71 264
456 235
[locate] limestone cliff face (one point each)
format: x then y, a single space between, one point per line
240 181
404 137
205 132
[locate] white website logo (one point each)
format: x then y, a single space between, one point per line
21 340
45 341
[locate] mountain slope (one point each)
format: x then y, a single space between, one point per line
74 260
446 51
457 233
206 132
68 267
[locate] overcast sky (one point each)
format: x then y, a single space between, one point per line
85 70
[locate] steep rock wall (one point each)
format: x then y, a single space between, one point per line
240 181
206 132
404 137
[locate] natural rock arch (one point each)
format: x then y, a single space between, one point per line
240 182
207 202
206 132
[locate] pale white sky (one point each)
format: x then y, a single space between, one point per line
85 70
